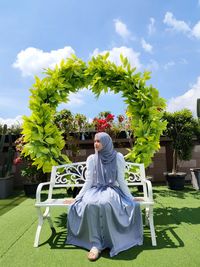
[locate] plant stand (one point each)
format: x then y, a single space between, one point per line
6 186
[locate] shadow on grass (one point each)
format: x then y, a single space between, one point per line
187 192
176 216
11 202
166 238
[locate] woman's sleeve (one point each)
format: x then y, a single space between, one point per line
89 177
120 176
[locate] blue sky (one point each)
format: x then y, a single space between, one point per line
160 36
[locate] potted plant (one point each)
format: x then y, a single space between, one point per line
104 123
32 178
31 175
181 128
6 160
65 122
81 124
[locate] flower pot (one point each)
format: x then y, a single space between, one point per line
89 135
6 186
122 134
82 136
30 189
140 188
175 181
195 172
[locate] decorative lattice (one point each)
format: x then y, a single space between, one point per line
76 174
71 174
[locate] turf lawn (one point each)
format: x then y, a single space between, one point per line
177 222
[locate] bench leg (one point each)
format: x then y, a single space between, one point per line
40 223
152 229
147 216
48 216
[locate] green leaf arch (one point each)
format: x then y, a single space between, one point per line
44 141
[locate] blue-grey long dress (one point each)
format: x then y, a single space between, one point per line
105 215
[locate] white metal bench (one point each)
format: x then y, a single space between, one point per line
73 175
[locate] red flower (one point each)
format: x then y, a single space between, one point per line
110 117
101 125
17 161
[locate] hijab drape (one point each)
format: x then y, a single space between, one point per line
105 160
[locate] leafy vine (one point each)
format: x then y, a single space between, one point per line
44 141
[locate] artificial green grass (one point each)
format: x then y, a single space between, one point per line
11 202
177 221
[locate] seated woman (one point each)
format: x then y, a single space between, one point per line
104 213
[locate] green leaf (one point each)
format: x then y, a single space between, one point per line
44 150
50 140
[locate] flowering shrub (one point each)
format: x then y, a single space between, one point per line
19 144
82 122
123 123
29 171
103 124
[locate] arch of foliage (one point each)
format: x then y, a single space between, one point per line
44 141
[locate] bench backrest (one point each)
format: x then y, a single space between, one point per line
74 175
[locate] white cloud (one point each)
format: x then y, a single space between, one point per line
172 63
196 30
169 64
114 55
187 100
177 25
32 61
147 47
151 26
182 26
11 121
122 29
76 99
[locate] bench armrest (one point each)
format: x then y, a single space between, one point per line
39 189
149 189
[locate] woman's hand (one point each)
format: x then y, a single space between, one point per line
69 201
138 199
